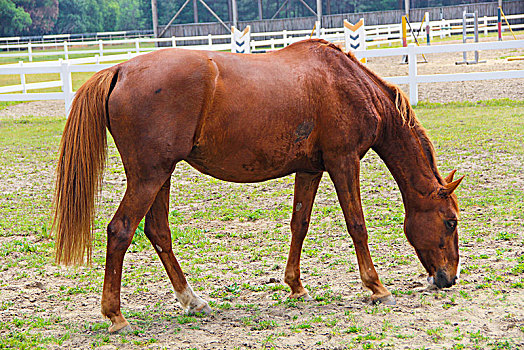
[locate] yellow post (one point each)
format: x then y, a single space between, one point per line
514 37
404 32
313 31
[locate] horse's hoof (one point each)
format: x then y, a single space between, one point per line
387 300
300 296
202 308
121 328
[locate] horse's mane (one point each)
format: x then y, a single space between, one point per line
401 103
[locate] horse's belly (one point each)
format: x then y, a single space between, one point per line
248 165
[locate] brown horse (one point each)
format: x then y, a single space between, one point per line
305 109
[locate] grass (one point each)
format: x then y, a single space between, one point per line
232 240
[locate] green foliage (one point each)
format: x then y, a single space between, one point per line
35 17
43 15
13 18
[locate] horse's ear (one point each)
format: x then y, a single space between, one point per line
449 178
448 189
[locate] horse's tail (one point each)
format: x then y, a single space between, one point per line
80 166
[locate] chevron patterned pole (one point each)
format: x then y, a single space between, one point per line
240 40
355 36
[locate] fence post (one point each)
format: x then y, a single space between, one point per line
22 77
210 41
66 52
485 25
173 41
30 51
284 37
412 62
137 45
100 47
67 84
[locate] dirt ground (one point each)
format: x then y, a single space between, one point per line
246 287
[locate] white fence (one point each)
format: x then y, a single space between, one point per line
376 35
65 68
413 79
57 38
62 67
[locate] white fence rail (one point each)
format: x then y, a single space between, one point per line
57 38
413 79
65 68
376 35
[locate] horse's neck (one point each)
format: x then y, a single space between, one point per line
401 149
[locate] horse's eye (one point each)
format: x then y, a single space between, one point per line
451 224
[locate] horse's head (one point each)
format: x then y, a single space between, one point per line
431 228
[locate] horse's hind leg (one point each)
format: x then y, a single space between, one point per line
136 202
157 230
306 186
344 172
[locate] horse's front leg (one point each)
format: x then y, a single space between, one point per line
344 172
306 186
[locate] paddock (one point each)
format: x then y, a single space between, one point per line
232 241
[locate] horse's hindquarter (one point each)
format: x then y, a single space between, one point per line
263 121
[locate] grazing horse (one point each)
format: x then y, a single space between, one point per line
305 109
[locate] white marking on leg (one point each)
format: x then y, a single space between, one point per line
158 248
190 301
186 297
298 206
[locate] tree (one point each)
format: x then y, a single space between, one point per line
131 15
79 16
43 15
14 19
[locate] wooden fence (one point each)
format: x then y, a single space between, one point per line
336 21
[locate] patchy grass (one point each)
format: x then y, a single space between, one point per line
232 241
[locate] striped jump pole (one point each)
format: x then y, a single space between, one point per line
404 38
404 32
499 22
428 29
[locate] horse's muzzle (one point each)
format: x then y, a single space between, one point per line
442 280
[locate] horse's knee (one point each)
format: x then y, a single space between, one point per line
119 234
358 233
299 225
